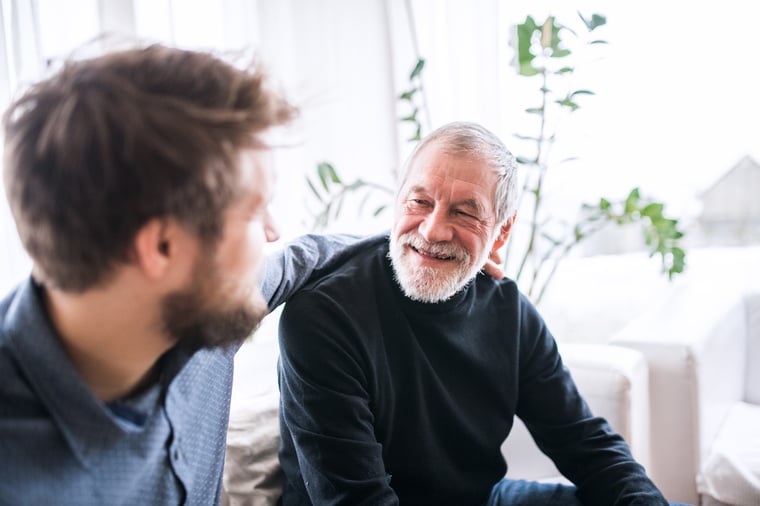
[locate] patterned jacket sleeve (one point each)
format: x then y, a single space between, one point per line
304 259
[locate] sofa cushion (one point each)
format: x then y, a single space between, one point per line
731 472
252 472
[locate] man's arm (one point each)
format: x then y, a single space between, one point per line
584 447
312 256
307 258
329 450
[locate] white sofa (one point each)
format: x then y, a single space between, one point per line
612 379
703 352
614 382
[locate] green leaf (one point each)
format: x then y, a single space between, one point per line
379 210
417 69
595 22
334 175
632 201
329 172
652 210
598 41
314 190
582 92
407 95
565 70
527 161
604 204
412 117
534 110
677 261
566 102
322 173
524 55
417 135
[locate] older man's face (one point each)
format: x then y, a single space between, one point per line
445 224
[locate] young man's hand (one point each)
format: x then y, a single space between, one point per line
493 266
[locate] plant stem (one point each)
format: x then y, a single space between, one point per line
541 162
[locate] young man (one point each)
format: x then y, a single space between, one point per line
139 182
401 373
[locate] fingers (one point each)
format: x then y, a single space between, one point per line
493 265
493 269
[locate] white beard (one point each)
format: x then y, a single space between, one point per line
428 284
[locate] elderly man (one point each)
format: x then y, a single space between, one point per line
139 182
401 372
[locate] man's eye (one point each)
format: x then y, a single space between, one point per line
464 214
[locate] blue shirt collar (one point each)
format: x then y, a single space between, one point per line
85 422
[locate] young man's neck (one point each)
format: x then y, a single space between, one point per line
113 336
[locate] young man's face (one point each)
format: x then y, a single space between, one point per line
223 302
444 224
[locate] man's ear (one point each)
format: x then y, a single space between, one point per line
501 239
152 248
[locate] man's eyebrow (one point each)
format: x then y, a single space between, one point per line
471 203
416 189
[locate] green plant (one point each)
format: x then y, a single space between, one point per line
542 54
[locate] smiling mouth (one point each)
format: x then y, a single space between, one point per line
429 254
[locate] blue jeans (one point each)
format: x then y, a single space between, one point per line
531 493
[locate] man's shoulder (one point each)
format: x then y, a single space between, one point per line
360 265
341 248
350 290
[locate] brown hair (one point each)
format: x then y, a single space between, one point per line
106 144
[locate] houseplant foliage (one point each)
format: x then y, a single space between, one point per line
544 56
541 55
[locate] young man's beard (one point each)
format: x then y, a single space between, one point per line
428 284
200 316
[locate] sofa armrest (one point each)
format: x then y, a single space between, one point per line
614 382
694 347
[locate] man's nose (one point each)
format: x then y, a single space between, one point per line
436 227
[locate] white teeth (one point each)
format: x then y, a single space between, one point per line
434 255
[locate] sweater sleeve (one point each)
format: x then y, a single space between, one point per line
326 418
306 258
584 447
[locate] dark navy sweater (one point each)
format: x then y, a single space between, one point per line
386 400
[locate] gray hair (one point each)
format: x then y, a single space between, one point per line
463 138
